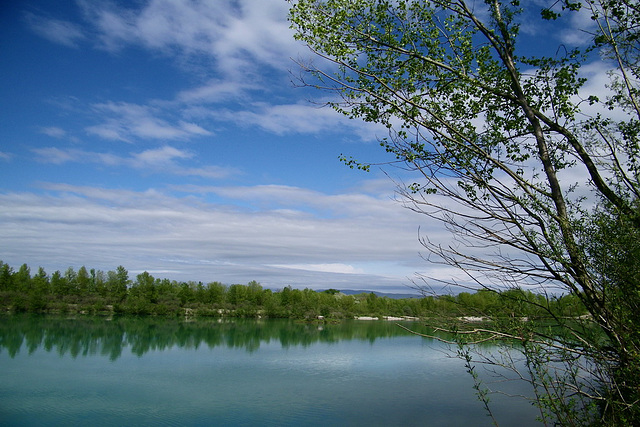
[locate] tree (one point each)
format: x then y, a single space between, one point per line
372 302
39 291
83 281
215 293
59 285
6 283
117 283
285 296
512 157
237 295
40 282
255 294
145 288
186 293
99 282
22 279
71 279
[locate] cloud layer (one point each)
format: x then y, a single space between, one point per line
190 237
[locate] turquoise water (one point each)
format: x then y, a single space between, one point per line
130 371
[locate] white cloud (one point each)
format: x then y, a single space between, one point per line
300 117
193 129
295 199
241 38
580 29
5 155
159 160
598 78
57 156
151 230
53 131
215 172
126 121
235 33
281 119
107 131
160 156
58 31
325 268
216 90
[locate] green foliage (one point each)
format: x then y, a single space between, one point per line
82 281
116 284
152 296
496 136
613 244
22 279
6 283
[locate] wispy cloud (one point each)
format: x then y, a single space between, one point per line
281 119
324 268
165 159
58 156
126 122
53 131
58 31
241 43
353 203
205 241
217 90
580 26
160 156
297 118
186 118
598 75
235 33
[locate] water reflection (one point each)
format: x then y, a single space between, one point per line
109 337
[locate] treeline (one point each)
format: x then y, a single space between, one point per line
95 291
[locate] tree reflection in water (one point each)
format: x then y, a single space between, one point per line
109 337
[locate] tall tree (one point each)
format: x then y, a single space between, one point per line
6 283
71 279
59 284
117 283
22 279
510 153
40 282
83 280
144 287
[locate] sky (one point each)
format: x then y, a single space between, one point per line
170 136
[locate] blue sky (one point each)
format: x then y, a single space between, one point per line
167 136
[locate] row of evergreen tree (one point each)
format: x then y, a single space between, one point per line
96 291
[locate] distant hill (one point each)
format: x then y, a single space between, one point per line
380 294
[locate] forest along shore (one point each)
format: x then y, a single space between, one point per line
90 291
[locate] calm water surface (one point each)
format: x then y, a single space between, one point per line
149 371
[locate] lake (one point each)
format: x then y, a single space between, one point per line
152 371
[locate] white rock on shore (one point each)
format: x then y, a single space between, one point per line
390 318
